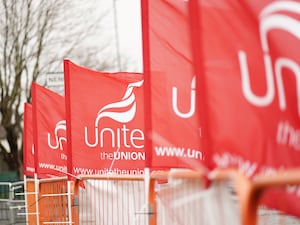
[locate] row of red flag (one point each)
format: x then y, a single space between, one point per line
104 116
220 88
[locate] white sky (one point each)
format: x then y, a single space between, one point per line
129 33
129 24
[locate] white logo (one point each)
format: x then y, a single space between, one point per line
61 125
270 18
127 100
112 111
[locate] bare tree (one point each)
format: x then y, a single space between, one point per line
35 36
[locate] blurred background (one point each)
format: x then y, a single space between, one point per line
35 37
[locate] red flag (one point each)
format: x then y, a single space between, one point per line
28 149
251 74
105 117
49 132
172 126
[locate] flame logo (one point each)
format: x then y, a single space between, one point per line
122 111
60 125
128 100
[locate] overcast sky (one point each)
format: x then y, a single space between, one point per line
129 23
129 47
128 17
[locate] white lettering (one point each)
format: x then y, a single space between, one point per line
129 156
288 135
191 111
268 22
122 155
58 142
109 137
227 159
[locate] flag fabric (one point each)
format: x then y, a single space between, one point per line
105 115
28 149
250 74
50 140
252 79
173 132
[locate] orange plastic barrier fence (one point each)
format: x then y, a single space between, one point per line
31 202
56 198
54 202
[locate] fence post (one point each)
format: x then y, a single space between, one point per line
75 201
70 193
152 203
11 210
37 190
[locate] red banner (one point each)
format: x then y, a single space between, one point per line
105 116
172 122
50 140
250 65
28 149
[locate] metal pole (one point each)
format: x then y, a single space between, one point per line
69 202
25 197
36 189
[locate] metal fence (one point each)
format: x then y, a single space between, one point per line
162 198
113 201
12 203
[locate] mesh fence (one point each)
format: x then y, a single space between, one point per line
186 201
110 202
12 203
161 199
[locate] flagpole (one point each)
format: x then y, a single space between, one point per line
117 36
